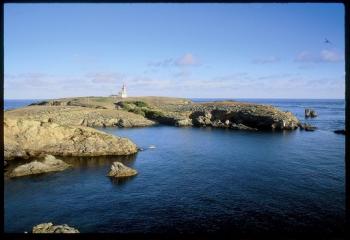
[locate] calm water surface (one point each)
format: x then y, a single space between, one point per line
199 180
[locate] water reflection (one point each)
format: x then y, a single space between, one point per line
77 162
97 162
121 181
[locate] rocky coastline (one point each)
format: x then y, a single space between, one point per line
65 127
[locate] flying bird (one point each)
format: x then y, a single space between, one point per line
327 41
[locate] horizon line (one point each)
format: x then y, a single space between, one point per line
276 98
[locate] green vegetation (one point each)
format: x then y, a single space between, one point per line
141 108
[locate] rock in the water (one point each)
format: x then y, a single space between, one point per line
119 170
342 131
28 138
50 164
310 113
307 127
50 228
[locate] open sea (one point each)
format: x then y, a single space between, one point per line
198 180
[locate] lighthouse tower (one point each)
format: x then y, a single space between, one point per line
122 93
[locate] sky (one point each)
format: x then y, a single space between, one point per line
179 50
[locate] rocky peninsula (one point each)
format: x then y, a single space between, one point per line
148 111
64 127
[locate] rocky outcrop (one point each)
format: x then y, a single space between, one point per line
50 228
233 115
310 113
119 170
50 164
247 118
27 138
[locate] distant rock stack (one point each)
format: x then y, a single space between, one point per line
310 113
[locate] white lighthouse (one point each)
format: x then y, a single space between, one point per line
122 93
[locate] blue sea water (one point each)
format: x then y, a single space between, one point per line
17 103
199 180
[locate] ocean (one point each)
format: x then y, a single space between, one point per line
199 180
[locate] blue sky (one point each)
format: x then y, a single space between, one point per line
181 50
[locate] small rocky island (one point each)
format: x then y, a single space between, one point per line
65 127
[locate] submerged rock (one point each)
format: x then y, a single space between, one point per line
119 170
50 164
341 131
28 138
307 127
50 228
310 113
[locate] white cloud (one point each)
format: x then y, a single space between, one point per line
330 56
239 84
323 56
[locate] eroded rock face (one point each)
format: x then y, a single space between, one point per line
50 228
28 138
50 164
119 170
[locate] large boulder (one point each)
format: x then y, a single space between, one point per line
28 138
50 228
50 164
119 170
